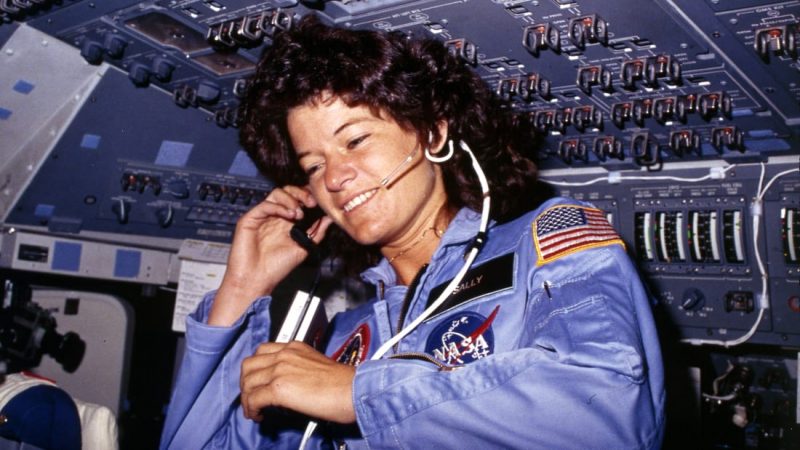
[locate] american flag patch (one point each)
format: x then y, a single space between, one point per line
565 229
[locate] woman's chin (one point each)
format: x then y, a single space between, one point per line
369 234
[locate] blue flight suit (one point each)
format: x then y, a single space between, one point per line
548 342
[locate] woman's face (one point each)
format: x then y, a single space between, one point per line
346 152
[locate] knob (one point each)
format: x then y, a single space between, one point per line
693 299
165 216
178 189
115 45
162 69
122 210
794 303
208 92
139 74
92 52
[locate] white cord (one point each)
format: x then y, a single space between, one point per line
763 301
715 387
726 398
464 268
575 183
473 253
310 428
642 178
777 175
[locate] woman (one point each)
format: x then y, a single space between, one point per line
546 342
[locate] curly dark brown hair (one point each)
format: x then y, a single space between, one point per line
418 82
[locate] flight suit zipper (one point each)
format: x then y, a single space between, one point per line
425 357
407 301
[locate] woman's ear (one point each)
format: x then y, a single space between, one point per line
436 147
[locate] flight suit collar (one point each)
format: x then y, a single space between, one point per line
460 231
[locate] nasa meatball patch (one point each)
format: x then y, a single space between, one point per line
462 338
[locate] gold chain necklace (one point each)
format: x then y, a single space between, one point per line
437 231
402 252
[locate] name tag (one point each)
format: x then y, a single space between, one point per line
490 277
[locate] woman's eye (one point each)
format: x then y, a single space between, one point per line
355 142
311 170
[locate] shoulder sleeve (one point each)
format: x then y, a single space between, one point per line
562 229
207 386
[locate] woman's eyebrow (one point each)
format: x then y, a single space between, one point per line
351 122
304 153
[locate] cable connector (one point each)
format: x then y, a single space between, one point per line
757 207
763 301
614 177
477 243
717 173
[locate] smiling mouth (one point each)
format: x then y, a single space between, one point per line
358 200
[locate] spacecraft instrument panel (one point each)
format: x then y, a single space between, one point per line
679 118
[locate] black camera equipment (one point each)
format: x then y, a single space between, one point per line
27 331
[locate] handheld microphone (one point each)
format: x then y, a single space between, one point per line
393 175
298 231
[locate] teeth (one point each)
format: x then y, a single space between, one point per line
352 204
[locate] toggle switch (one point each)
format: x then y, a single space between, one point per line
588 29
780 40
541 37
730 137
122 209
683 142
594 76
165 216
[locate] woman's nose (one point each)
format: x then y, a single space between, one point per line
338 172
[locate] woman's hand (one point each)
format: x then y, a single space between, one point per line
299 378
263 253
